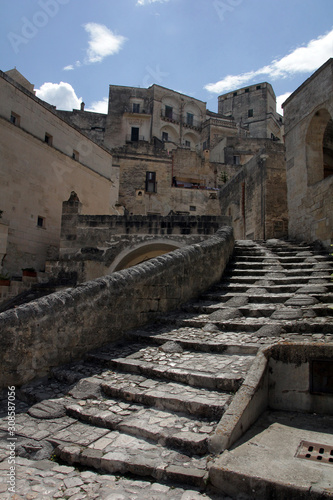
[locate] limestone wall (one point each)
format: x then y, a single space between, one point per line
309 157
36 177
256 197
65 325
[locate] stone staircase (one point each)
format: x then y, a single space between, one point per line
149 405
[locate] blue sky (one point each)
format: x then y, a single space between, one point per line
71 50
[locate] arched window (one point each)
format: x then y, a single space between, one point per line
319 147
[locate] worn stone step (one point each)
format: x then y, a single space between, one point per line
199 340
216 296
253 325
310 306
213 371
172 430
118 453
277 279
172 396
313 289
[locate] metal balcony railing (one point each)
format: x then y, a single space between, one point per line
130 138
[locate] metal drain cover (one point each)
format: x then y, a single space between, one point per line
321 453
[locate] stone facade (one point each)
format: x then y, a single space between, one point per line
43 159
92 246
254 108
256 197
309 157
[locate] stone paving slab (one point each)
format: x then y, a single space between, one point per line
173 429
166 395
45 480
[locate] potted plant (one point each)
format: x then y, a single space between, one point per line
29 271
4 280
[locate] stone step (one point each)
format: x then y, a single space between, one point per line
279 266
291 259
263 309
235 273
223 372
200 340
274 298
254 325
312 289
118 453
171 396
173 430
276 279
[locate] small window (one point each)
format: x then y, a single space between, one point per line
75 155
15 119
136 107
193 208
204 145
48 139
168 112
258 87
165 136
235 93
40 221
187 144
189 118
250 113
135 134
236 160
247 90
151 182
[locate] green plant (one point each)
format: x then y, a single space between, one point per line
4 276
224 177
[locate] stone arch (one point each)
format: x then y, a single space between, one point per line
319 147
192 107
141 253
173 134
191 137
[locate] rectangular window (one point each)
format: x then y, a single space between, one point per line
136 107
187 144
189 118
151 182
247 90
235 93
48 139
258 87
75 155
165 136
135 134
168 112
40 221
236 160
193 208
204 145
250 113
15 119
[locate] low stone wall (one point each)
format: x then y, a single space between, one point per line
65 325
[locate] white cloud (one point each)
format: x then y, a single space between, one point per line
69 67
103 42
280 100
301 60
147 2
61 95
99 106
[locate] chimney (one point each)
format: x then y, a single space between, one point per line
82 106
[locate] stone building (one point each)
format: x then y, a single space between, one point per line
254 108
43 159
309 155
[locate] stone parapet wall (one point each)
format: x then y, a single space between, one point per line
65 325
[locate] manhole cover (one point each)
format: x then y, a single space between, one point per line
322 453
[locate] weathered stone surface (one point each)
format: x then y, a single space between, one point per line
171 347
48 409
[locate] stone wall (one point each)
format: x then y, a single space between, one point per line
92 246
36 176
256 197
65 325
309 157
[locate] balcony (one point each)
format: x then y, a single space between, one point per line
130 138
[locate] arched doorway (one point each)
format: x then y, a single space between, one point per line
319 147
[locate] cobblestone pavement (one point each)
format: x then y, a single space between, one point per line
134 419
